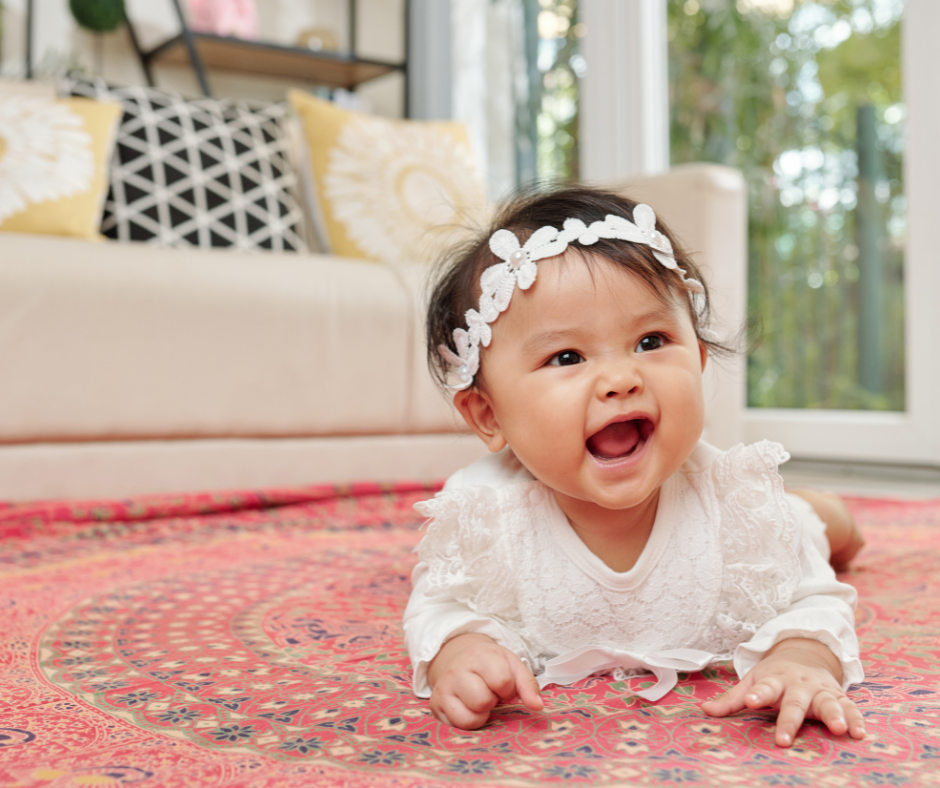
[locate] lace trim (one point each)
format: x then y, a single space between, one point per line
759 537
461 547
741 492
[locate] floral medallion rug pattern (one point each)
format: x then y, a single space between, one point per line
253 639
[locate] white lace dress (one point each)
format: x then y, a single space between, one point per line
732 566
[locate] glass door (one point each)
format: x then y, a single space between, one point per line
812 100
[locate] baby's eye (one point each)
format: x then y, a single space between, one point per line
651 342
566 358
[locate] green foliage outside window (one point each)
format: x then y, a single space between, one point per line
805 98
549 119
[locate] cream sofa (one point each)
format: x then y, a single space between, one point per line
129 369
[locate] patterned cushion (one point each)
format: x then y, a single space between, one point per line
198 172
394 191
53 161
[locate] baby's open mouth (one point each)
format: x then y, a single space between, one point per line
621 439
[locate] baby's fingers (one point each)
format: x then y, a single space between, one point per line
465 704
854 719
499 676
451 711
729 702
508 679
839 714
828 710
766 692
793 709
526 684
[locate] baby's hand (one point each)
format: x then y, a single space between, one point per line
800 678
471 674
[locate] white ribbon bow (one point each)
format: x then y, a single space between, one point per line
665 665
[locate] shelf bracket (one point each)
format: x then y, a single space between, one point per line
29 39
194 57
141 55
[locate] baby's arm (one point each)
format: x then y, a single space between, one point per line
801 661
464 662
471 674
800 678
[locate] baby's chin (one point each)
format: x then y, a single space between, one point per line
601 499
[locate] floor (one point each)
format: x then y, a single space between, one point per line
253 639
880 481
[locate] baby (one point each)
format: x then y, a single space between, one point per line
602 534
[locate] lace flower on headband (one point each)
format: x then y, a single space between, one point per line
498 282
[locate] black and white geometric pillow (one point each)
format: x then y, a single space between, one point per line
198 172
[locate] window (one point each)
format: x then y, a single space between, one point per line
547 148
624 127
805 98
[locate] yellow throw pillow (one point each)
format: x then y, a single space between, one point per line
392 191
54 158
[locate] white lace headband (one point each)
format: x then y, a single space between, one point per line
499 281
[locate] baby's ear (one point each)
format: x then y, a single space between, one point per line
477 411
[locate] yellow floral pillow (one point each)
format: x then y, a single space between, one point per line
392 191
54 157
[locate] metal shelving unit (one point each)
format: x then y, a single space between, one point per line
205 52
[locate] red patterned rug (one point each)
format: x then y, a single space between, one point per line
254 640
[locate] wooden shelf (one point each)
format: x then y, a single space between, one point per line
205 52
273 60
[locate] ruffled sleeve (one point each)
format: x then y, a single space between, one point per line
775 585
461 549
821 609
759 540
463 580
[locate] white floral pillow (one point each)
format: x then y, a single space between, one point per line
54 156
392 191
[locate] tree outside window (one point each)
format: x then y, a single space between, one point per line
805 98
548 119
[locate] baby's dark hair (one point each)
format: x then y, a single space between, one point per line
457 285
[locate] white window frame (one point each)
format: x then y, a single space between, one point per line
624 96
625 132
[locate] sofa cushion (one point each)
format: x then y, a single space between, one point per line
53 161
198 172
432 408
393 191
116 341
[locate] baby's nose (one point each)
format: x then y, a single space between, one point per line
622 379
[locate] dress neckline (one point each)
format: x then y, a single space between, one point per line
594 567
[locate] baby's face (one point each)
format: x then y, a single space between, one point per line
595 383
